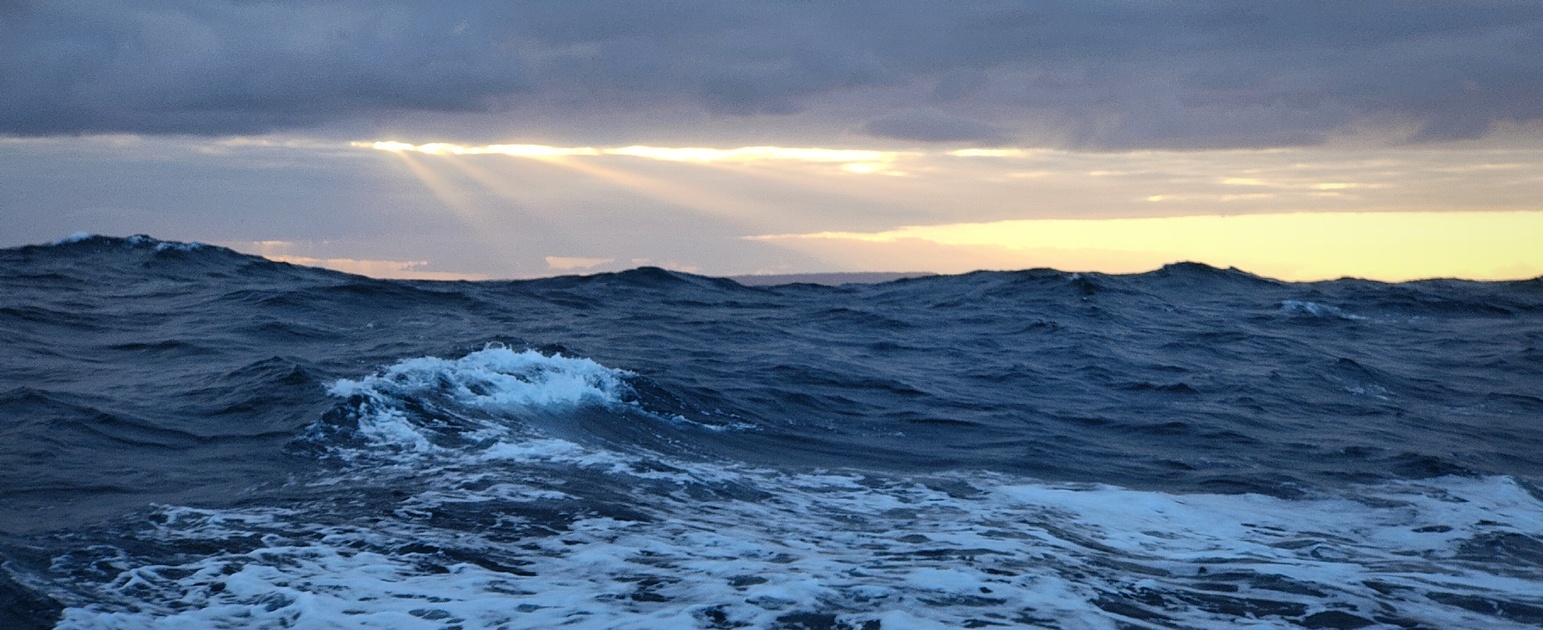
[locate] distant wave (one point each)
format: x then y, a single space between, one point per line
200 438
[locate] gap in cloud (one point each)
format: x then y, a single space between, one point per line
861 161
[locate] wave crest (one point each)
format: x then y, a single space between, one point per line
421 403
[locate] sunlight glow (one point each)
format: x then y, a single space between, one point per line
394 269
1390 246
1288 214
754 154
998 153
680 192
575 263
445 148
284 251
853 160
453 197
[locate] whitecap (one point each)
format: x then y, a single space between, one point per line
1314 309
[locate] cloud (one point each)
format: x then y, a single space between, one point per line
668 154
229 67
575 263
857 161
394 269
1079 74
932 126
283 251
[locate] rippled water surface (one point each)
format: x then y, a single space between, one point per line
195 438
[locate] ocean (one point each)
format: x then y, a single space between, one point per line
191 437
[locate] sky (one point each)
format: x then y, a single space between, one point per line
1300 140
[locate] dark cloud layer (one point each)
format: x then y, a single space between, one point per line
1077 73
931 126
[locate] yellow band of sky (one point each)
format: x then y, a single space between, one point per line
1389 246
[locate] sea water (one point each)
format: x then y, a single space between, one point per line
195 438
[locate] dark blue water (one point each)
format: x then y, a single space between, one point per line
196 438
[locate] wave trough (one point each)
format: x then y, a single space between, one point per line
198 438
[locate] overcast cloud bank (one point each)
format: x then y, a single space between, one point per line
1098 75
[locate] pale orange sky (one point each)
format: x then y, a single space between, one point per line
448 211
1303 214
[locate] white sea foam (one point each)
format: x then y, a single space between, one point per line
163 246
496 380
539 532
137 239
495 377
1315 309
74 238
933 552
